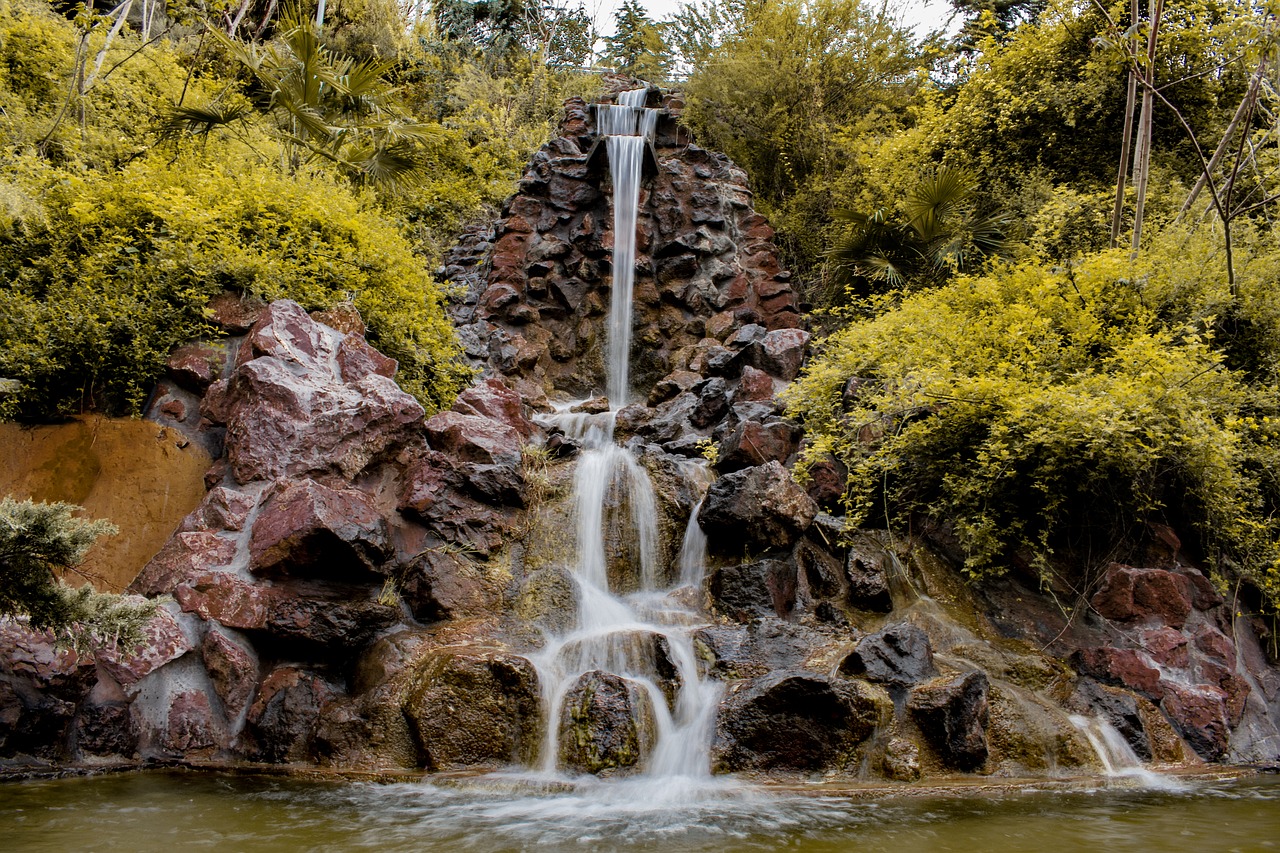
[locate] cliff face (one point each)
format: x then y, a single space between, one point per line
366 587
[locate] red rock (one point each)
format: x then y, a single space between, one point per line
184 556
470 438
215 406
191 726
305 529
357 360
234 313
828 479
175 409
492 398
1130 594
1121 666
783 352
754 443
226 599
425 483
287 332
281 423
1199 713
509 251
196 366
221 509
344 318
756 386
1204 596
1167 647
164 642
1216 645
1237 690
233 669
34 655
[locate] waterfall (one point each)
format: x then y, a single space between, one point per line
630 624
1119 762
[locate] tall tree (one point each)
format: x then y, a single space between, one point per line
637 47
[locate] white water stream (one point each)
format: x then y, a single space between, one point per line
629 621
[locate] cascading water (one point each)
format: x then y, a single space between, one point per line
630 623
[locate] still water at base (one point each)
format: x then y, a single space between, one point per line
180 811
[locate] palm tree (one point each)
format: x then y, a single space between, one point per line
324 106
944 231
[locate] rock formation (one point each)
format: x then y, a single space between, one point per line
366 586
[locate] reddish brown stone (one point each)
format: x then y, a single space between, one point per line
281 722
196 366
1130 594
357 360
492 398
308 530
783 352
287 332
1124 667
756 386
1199 713
1216 645
163 641
233 669
221 509
191 725
828 479
1237 690
234 313
184 556
226 599
754 443
174 408
343 317
1167 647
1204 595
470 438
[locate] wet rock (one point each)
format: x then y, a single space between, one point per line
795 721
762 646
783 351
548 598
196 366
1117 707
757 509
1167 647
308 530
868 584
1122 667
828 479
235 313
432 491
899 654
1128 594
474 707
749 590
441 584
952 713
281 722
472 438
184 556
606 725
821 564
232 665
105 729
753 443
637 652
902 760
357 360
1199 712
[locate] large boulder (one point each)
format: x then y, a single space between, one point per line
308 530
606 724
289 411
796 720
898 654
1129 594
758 509
281 722
474 708
952 713
750 590
186 555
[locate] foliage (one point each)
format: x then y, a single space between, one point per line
943 232
1041 409
117 268
637 48
505 29
39 540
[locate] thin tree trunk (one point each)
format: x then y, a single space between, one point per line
1142 165
121 12
1246 106
1117 212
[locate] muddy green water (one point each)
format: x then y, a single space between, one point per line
187 811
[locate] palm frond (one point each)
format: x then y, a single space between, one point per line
201 120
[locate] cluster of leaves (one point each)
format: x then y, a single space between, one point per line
38 541
1042 409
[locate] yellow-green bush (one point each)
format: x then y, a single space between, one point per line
1044 408
117 269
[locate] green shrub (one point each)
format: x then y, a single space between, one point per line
1045 409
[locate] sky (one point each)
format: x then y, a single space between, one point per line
924 15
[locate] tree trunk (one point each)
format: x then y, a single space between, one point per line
1117 212
1142 163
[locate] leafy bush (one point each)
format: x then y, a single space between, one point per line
117 269
1056 409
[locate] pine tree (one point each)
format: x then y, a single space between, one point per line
637 48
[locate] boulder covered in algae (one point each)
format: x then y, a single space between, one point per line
606 725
